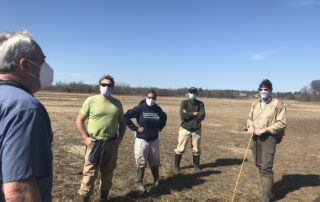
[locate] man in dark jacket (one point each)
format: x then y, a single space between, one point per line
151 119
192 113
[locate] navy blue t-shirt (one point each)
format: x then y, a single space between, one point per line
25 139
152 119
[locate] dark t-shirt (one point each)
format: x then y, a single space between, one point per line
25 139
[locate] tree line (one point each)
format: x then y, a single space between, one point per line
308 93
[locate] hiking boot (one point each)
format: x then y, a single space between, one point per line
266 189
104 195
177 160
196 163
84 198
139 180
155 174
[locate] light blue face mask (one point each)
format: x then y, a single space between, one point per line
105 90
265 95
192 96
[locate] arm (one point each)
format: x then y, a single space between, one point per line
132 113
82 130
250 125
22 190
202 113
280 121
122 128
184 114
163 119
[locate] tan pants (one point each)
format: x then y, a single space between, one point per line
90 171
184 136
146 153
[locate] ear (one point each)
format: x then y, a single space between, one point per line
23 64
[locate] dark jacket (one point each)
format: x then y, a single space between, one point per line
188 120
152 119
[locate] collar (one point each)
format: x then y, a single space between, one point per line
15 84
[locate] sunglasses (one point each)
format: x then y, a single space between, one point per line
263 89
105 84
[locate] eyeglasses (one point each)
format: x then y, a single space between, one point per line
263 89
106 84
153 98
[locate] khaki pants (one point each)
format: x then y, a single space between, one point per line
146 152
184 136
90 171
263 151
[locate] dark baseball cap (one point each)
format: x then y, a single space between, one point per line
193 90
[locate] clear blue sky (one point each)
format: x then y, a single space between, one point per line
213 44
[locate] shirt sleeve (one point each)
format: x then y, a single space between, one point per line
202 113
185 115
85 108
280 121
26 146
132 113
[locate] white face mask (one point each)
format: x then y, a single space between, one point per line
105 90
150 102
265 94
192 96
46 74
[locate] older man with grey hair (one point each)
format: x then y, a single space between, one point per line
25 128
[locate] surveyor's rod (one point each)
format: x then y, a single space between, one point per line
239 175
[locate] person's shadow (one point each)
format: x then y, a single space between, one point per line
171 184
291 183
218 163
179 182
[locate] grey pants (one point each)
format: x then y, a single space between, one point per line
263 150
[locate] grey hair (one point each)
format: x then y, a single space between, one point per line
13 47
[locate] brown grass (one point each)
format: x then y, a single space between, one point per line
297 163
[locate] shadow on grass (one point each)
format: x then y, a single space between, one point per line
218 163
171 184
291 183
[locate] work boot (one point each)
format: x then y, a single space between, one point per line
196 163
177 160
139 180
155 174
266 189
104 195
84 198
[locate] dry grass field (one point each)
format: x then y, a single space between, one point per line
297 162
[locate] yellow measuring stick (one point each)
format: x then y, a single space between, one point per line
239 175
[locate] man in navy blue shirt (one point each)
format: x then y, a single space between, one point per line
151 119
25 129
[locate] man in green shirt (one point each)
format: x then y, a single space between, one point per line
102 137
192 113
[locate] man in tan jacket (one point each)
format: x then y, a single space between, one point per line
266 122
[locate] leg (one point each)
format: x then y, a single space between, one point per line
268 152
89 175
107 169
141 148
154 161
196 142
183 139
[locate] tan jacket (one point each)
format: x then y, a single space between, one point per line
272 117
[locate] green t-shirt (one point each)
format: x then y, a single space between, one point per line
103 116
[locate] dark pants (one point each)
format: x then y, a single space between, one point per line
263 150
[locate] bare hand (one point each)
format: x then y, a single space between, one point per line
259 132
184 111
140 129
88 141
251 130
195 113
